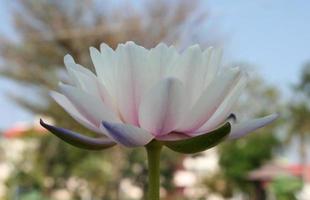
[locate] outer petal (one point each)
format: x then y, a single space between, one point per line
126 134
241 129
210 100
224 109
92 108
162 107
78 140
70 108
133 79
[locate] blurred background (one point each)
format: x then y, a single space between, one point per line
269 38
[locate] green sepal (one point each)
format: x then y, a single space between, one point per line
201 142
78 140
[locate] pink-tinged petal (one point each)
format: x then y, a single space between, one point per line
172 137
133 79
126 134
241 129
70 108
224 109
92 108
163 106
210 100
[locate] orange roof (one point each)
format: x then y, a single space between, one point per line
21 129
270 171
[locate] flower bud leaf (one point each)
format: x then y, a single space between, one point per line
78 140
201 142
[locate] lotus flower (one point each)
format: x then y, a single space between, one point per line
138 95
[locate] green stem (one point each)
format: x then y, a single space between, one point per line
153 157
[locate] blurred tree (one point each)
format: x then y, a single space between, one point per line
238 158
299 115
304 84
46 31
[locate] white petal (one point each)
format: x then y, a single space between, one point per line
104 48
126 134
92 108
78 73
105 66
85 80
212 59
189 69
103 61
133 79
161 60
70 65
224 109
241 129
162 107
210 100
67 106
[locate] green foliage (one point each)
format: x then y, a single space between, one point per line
241 156
34 195
304 84
285 188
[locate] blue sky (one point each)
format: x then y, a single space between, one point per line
272 35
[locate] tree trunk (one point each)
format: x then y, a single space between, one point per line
303 156
259 191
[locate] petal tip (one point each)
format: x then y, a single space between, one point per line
244 128
104 46
106 124
91 48
68 59
42 122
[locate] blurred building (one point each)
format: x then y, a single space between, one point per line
189 177
282 178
